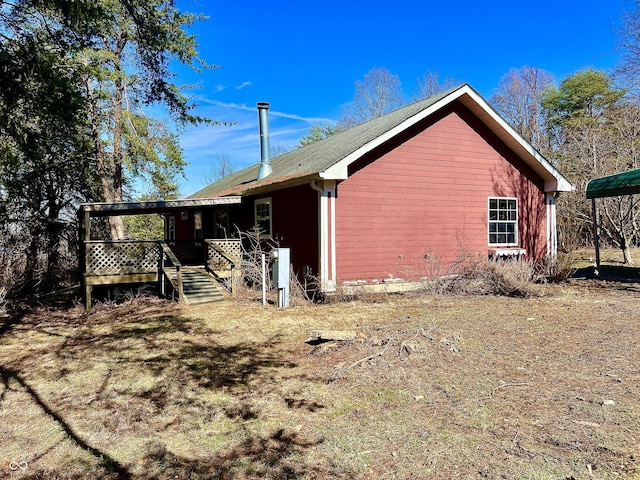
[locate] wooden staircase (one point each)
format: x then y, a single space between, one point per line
199 286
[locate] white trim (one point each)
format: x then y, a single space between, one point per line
331 283
552 229
263 201
327 233
489 221
554 180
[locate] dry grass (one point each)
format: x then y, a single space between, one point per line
434 387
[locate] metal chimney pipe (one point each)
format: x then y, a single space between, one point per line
265 161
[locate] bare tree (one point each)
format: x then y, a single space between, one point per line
621 215
280 149
628 71
517 98
378 93
431 84
595 131
222 166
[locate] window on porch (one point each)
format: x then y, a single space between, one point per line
263 217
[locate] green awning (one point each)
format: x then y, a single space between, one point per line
627 183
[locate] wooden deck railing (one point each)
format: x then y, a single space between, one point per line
174 266
223 256
108 262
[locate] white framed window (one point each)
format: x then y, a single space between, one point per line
503 221
263 217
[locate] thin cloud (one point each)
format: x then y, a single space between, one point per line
247 108
219 88
294 116
245 84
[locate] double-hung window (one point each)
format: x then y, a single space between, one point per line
263 217
503 221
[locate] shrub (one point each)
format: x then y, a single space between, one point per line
510 278
480 276
556 269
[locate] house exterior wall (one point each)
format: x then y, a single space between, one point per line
294 223
410 209
185 222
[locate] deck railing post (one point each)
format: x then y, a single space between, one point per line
170 256
181 298
161 279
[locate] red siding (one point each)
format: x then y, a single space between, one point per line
427 195
295 225
294 221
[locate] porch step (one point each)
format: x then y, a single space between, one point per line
199 287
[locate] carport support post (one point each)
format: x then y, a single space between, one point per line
596 240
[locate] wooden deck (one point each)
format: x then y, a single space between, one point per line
168 265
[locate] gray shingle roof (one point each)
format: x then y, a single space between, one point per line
329 157
319 156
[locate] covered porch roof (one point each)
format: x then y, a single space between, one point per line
105 209
109 209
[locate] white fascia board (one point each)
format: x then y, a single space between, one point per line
558 183
339 170
554 181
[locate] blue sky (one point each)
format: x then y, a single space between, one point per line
304 57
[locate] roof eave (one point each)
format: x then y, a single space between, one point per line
340 170
262 188
554 180
156 206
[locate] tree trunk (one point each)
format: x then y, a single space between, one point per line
626 250
109 164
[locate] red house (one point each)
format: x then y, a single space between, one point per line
385 201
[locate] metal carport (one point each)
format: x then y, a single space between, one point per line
626 183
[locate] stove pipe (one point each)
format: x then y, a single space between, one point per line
265 161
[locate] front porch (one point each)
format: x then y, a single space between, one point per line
187 270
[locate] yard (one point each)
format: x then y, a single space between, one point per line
433 387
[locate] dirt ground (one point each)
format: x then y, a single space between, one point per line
435 387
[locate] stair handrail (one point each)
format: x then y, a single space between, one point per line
168 254
211 243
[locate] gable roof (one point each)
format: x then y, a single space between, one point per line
330 157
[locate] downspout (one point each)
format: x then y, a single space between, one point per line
315 186
265 161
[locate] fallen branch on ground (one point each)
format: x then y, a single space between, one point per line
506 385
339 373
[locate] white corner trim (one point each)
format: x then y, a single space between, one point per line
552 228
327 233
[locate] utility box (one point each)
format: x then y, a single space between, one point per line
281 268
